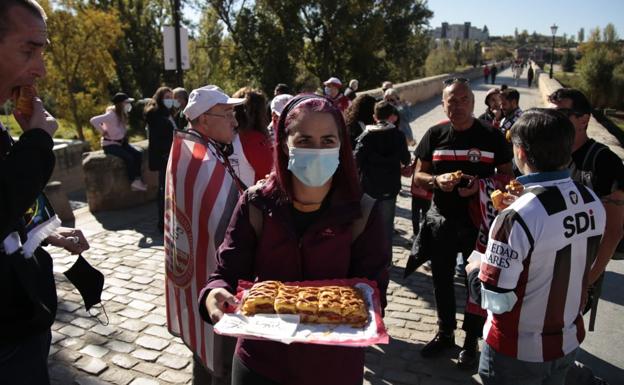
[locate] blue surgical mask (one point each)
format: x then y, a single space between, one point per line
327 91
313 166
176 103
168 103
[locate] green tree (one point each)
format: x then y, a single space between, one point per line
79 61
440 61
609 33
596 72
568 61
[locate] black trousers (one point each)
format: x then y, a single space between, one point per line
26 362
130 155
447 237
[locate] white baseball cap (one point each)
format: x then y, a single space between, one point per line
204 98
279 102
333 81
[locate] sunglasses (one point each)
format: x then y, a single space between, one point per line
450 81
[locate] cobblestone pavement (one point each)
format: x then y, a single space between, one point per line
135 348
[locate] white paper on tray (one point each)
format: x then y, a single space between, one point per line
287 328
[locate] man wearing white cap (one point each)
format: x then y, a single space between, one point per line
332 91
202 189
277 106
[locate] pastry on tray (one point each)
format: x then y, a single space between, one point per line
319 305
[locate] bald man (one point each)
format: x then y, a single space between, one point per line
464 144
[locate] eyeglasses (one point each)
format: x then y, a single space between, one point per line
450 81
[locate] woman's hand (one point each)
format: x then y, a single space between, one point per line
71 240
217 302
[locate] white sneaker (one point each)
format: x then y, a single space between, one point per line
138 185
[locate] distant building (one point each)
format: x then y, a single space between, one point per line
460 32
530 52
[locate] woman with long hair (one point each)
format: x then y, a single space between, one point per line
160 126
252 129
308 205
359 115
113 127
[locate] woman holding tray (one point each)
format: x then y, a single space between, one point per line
307 221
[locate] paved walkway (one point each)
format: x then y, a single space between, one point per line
135 348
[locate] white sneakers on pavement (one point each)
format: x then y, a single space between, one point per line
138 185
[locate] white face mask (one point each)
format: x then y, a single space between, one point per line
168 103
176 103
128 108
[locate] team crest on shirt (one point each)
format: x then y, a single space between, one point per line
574 197
179 263
474 155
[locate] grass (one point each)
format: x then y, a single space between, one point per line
568 79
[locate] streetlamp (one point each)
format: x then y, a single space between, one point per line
553 30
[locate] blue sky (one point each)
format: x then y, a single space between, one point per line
502 16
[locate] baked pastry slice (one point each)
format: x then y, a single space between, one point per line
261 298
286 300
307 304
354 311
330 305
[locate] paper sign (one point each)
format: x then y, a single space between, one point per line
274 325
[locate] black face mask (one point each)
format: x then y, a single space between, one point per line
88 280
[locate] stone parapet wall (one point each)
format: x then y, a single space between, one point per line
419 90
107 184
68 167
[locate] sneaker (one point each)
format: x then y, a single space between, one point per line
438 344
138 185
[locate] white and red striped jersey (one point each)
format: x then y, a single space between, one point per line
542 247
199 200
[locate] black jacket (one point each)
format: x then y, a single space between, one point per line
380 153
160 137
27 285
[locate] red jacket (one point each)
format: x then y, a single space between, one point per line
325 251
342 102
258 151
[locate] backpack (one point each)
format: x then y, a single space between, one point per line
256 218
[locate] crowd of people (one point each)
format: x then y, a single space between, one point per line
304 187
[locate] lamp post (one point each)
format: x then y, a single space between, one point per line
553 30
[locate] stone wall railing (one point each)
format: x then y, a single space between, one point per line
419 90
68 167
107 185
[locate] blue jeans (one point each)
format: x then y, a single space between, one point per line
26 362
496 368
387 208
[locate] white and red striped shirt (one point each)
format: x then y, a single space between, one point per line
541 248
199 200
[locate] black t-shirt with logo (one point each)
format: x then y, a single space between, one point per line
476 151
597 167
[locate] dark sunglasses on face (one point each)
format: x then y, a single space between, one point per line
450 81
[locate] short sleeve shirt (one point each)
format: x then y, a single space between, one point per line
606 175
476 151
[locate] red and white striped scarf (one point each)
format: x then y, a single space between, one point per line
200 197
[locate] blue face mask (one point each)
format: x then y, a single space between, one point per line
168 103
313 166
